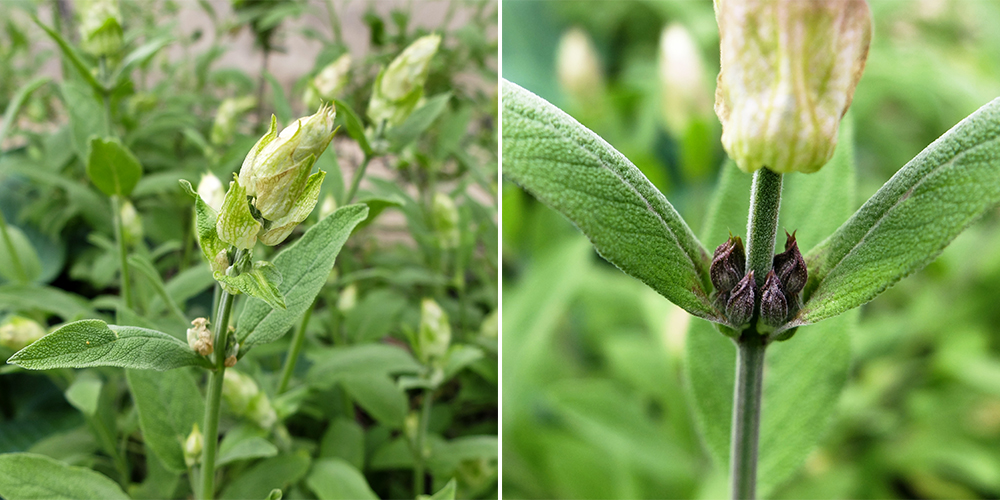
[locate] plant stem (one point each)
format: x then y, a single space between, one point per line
126 290
22 274
765 201
214 396
356 180
418 466
293 352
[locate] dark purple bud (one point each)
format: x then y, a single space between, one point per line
728 264
742 300
791 267
773 306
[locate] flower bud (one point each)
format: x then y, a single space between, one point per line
728 264
742 300
328 206
18 332
445 217
227 118
682 80
329 82
210 190
791 267
192 447
773 306
238 390
399 87
788 73
100 27
435 331
199 337
131 222
348 298
577 66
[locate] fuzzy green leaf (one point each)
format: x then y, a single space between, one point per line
378 395
260 282
447 492
236 225
415 124
335 479
910 220
352 123
92 342
28 476
628 220
259 480
304 267
243 446
71 54
169 404
112 167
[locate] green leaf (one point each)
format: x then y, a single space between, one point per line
85 393
169 404
374 316
70 53
418 121
112 167
205 225
26 256
145 267
140 56
304 267
910 220
243 443
17 101
335 479
344 439
260 282
275 494
43 298
92 342
628 220
86 117
29 476
259 480
238 227
282 108
378 395
459 357
352 123
330 364
445 493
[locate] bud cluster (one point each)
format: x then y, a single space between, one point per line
738 293
199 337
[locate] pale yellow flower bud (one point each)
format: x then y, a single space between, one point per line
788 73
685 90
131 222
445 217
434 335
228 116
210 190
193 446
399 87
328 206
18 332
577 65
100 27
329 82
348 298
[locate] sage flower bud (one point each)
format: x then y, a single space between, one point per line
238 390
210 190
435 332
328 206
275 175
682 80
193 446
445 217
131 222
773 305
228 116
788 73
18 332
791 267
742 300
199 337
329 82
348 298
100 27
728 264
577 65
399 87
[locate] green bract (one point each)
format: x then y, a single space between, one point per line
100 27
400 86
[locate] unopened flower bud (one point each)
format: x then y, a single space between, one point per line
400 86
328 206
227 117
742 300
435 331
411 425
773 306
221 262
192 447
131 222
445 216
577 66
230 361
199 337
728 264
788 73
238 390
329 82
791 267
348 298
18 332
100 27
210 190
686 94
231 351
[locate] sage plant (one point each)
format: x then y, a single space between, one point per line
788 74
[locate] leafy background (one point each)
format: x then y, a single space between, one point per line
596 404
344 426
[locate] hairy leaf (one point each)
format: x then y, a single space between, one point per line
627 219
29 476
259 480
260 282
336 479
112 167
352 123
169 404
418 121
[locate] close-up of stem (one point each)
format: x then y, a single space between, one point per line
126 287
213 398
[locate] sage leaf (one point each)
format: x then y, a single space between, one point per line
330 364
345 439
30 476
258 481
71 54
304 267
418 121
350 120
242 443
630 223
205 219
447 492
260 282
92 342
169 404
86 118
910 220
336 479
378 395
112 167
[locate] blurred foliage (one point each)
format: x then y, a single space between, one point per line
594 401
163 93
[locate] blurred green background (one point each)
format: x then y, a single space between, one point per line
594 398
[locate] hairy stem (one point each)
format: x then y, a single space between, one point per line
356 181
762 225
293 351
126 290
418 466
214 396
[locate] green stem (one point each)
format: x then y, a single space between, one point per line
22 274
126 290
765 202
356 180
214 396
293 352
418 466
